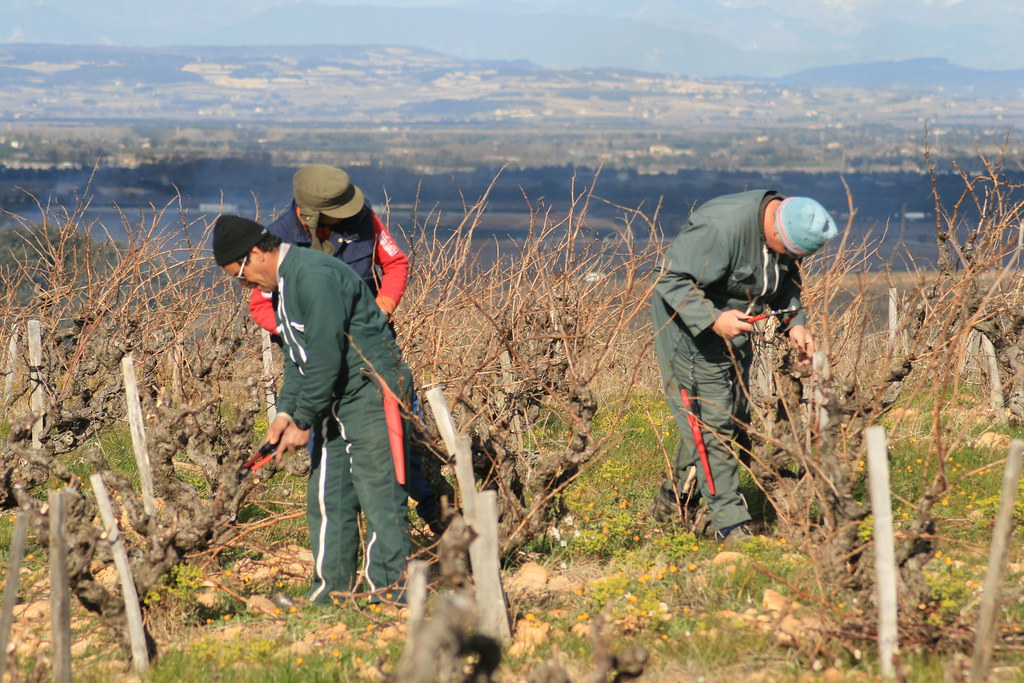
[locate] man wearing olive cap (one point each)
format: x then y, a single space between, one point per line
329 213
342 371
736 256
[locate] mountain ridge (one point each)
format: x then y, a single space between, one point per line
398 85
694 39
919 75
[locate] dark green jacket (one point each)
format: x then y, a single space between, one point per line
720 261
332 330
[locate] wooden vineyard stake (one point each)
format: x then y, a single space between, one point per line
490 597
35 373
133 613
984 634
885 553
11 586
60 602
138 430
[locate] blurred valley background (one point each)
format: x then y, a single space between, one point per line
119 130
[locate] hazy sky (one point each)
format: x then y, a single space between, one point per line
987 34
985 11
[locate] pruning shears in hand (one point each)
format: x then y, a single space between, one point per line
264 455
780 313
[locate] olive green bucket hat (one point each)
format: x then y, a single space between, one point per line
320 188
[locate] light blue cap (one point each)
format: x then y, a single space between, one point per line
803 225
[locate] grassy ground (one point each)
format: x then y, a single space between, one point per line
756 615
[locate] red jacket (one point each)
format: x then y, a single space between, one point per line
389 287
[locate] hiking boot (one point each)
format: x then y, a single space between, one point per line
429 513
691 514
702 526
734 536
665 511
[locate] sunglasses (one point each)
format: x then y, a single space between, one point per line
240 274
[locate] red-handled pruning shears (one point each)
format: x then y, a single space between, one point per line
262 457
774 314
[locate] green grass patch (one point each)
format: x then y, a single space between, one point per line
659 586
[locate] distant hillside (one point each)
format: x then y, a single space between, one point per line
690 38
551 39
381 85
929 75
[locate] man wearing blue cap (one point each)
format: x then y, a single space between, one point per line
735 257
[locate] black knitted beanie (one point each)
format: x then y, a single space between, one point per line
233 237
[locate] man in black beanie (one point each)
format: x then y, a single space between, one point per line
330 213
233 237
343 379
